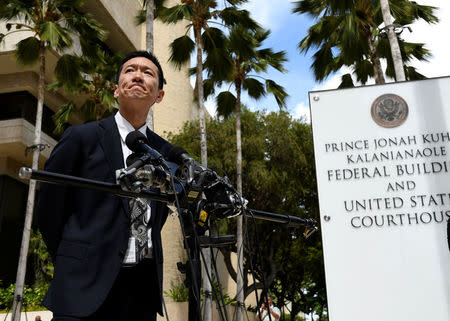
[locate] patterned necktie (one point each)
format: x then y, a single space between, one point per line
138 241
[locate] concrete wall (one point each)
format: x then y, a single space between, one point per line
177 106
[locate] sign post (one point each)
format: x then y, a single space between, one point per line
383 171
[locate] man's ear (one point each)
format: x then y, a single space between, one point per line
116 91
160 96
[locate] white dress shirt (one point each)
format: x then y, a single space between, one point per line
125 128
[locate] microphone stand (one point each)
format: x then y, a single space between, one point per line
194 241
55 178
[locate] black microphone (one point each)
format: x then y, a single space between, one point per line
178 155
138 143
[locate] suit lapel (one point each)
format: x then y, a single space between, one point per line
110 142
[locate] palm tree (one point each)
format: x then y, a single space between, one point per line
395 49
248 59
93 79
52 24
200 15
347 34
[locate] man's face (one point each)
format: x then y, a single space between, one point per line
138 81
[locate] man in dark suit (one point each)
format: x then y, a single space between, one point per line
88 232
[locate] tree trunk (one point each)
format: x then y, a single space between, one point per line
22 266
149 46
201 111
377 71
204 157
207 287
393 41
239 237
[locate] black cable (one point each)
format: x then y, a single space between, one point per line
196 247
7 312
222 299
251 261
213 290
196 241
193 271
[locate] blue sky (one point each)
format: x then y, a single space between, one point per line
287 31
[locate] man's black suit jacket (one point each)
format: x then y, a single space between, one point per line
86 232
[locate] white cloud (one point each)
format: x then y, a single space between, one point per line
267 13
211 106
434 37
302 112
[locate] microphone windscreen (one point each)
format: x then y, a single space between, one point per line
133 158
175 155
134 141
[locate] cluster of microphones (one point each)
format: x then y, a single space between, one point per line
179 174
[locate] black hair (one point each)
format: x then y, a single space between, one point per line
149 56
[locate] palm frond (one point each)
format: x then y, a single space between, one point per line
411 73
140 17
414 50
274 59
363 70
226 104
181 49
232 16
323 63
254 88
62 115
57 36
27 52
176 13
10 10
314 8
209 86
67 71
212 38
346 81
278 92
218 64
241 43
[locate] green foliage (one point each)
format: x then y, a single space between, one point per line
93 79
42 261
216 294
246 59
28 51
278 176
53 24
178 293
180 50
198 16
346 33
32 297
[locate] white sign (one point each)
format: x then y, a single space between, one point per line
383 173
